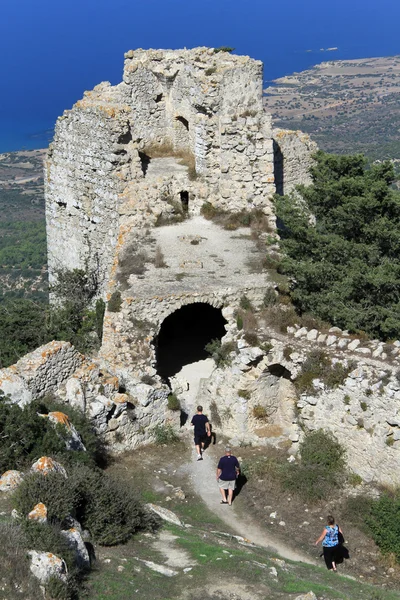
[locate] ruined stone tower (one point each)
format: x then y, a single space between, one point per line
202 109
130 173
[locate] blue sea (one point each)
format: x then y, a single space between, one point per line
53 51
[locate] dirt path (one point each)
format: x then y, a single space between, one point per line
202 475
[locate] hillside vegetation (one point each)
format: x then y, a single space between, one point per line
341 245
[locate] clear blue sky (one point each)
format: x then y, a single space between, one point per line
52 50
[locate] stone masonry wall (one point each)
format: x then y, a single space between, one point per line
197 106
293 152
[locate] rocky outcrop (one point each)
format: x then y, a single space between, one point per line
40 372
46 465
45 565
10 480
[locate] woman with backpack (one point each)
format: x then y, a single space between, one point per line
330 538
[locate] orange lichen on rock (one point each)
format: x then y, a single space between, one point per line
61 418
38 513
10 480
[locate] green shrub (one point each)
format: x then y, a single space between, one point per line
260 412
15 576
319 366
165 434
384 524
321 469
246 394
245 303
363 406
107 508
56 492
210 71
239 322
27 436
270 297
115 302
173 402
346 399
344 263
223 49
220 352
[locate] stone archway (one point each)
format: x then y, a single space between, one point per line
184 334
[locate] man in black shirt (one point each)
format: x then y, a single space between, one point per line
227 472
201 430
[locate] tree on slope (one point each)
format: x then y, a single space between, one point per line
341 245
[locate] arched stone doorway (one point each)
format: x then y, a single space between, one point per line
184 334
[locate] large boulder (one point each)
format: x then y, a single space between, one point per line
45 565
46 465
76 543
10 480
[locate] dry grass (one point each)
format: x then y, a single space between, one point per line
159 259
16 580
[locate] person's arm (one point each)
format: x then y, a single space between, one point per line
219 471
237 468
208 430
321 537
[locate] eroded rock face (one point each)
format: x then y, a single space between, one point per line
45 565
10 480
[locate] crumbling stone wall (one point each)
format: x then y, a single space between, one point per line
197 106
293 152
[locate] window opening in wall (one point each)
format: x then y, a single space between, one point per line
184 122
185 201
144 162
159 97
184 334
278 169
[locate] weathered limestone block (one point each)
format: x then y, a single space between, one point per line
39 372
45 565
10 480
76 543
45 465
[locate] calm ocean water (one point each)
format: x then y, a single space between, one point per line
32 132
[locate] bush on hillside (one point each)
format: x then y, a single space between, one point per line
345 263
107 508
321 469
384 524
319 366
220 352
15 576
26 436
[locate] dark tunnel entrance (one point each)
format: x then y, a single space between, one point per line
184 334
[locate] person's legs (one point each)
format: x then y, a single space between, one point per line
223 494
197 445
230 496
328 553
334 556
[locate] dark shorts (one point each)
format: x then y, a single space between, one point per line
200 439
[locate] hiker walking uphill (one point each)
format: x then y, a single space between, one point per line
227 471
201 431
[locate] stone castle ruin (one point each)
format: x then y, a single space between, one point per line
130 176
